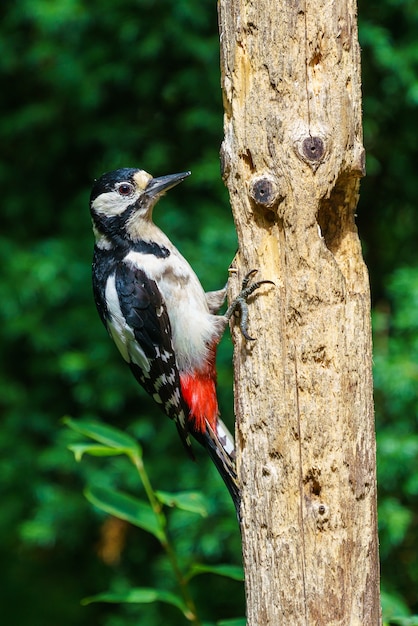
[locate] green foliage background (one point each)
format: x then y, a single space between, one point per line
90 86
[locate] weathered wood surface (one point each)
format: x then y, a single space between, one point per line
292 158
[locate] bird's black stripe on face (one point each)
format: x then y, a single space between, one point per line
113 227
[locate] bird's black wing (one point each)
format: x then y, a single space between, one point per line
152 357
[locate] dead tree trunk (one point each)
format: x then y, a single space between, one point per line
292 159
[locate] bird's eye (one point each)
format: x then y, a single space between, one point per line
125 189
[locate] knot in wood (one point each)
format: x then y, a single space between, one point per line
313 148
264 190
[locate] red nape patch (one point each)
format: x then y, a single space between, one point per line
200 395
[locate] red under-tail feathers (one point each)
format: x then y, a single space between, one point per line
199 392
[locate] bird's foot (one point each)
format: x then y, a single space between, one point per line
239 304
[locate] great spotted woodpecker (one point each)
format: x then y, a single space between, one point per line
156 311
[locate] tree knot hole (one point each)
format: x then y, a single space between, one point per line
313 148
265 193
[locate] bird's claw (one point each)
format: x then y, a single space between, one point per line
240 302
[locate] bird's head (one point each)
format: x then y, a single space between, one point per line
121 203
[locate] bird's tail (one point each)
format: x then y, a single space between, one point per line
220 447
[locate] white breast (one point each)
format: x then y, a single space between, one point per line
193 327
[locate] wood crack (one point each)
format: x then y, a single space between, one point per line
301 489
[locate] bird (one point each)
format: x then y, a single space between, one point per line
156 311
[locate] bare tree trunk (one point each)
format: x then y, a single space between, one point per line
292 158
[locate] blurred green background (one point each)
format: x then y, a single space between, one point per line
91 86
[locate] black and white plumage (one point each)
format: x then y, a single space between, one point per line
156 311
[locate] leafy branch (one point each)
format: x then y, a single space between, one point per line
149 516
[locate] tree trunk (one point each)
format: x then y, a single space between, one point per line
292 158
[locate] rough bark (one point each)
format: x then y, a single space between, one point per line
292 158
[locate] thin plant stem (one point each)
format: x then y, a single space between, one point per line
165 541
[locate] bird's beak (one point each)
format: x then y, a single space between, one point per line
157 186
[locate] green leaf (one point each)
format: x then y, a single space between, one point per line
230 571
237 621
192 501
126 507
94 449
140 595
106 435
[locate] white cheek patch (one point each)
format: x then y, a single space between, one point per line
112 203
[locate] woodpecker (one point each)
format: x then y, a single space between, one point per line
163 323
